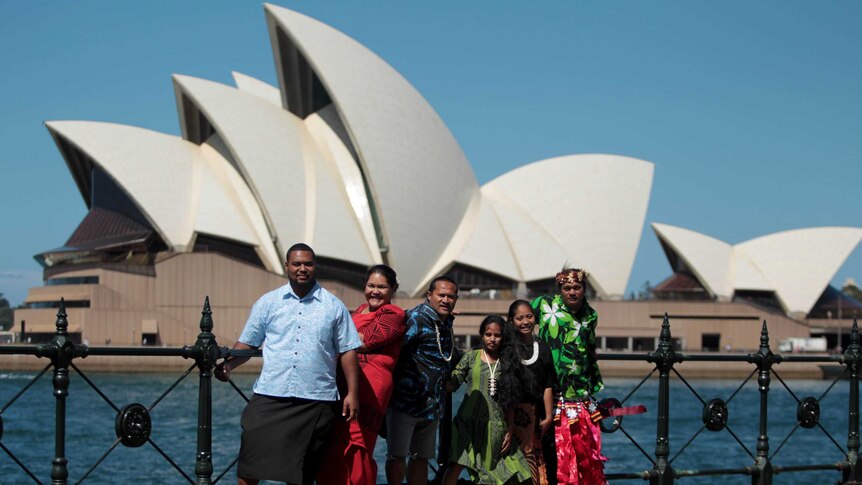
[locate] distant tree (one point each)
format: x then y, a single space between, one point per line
850 289
645 292
5 314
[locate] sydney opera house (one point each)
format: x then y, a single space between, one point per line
348 157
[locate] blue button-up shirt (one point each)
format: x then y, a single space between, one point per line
301 338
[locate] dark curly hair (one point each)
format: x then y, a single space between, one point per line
511 373
528 382
385 271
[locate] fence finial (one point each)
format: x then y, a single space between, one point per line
854 334
62 322
206 316
664 336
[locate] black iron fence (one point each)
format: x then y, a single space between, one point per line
133 425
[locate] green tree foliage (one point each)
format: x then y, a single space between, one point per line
5 313
850 289
645 292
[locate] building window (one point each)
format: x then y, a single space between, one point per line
73 280
462 342
479 283
710 342
56 304
206 243
616 343
643 344
763 299
351 274
549 287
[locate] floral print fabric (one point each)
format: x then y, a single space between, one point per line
572 339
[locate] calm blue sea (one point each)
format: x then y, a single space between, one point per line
28 429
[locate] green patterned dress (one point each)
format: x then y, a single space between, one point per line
572 339
479 427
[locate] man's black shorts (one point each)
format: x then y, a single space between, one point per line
283 439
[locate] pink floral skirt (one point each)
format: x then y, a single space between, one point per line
579 447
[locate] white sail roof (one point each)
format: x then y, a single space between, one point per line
347 156
406 152
797 265
181 188
297 186
583 210
257 87
800 263
706 257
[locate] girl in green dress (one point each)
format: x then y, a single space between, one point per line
482 439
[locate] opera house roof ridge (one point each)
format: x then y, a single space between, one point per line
347 156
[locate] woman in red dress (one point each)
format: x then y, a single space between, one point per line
381 328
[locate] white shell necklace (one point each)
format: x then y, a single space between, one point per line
533 358
492 381
440 347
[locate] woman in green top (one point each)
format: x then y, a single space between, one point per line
568 324
482 430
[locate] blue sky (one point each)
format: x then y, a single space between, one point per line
751 111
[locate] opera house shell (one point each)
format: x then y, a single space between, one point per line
347 156
789 270
344 155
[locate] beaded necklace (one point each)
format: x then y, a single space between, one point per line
492 381
534 357
440 347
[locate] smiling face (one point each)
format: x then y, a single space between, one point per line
443 298
524 320
573 295
492 338
300 269
377 291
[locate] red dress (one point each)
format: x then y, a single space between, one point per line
350 459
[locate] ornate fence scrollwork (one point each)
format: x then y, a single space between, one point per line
808 412
715 415
134 425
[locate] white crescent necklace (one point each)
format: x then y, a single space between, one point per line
534 357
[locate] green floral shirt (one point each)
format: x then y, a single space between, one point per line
572 339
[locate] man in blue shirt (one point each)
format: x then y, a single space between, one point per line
417 400
305 331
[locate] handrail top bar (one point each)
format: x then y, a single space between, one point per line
241 353
642 356
19 349
138 351
225 352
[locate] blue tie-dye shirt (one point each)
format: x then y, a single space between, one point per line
422 370
302 339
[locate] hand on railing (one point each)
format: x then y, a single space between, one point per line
222 371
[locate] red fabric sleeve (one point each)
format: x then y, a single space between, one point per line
386 327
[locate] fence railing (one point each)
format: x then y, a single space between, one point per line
133 426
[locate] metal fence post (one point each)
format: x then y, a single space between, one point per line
61 351
205 352
764 358
664 358
852 357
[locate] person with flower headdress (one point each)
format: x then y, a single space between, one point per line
567 323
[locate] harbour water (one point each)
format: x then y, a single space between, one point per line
28 428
